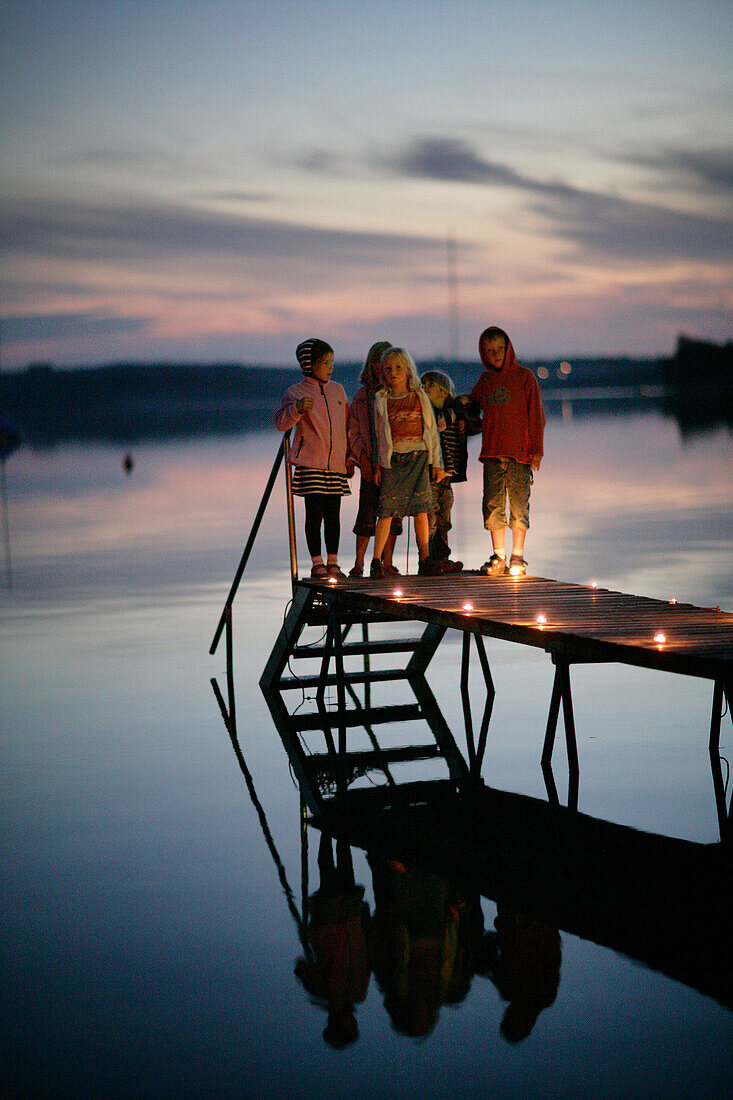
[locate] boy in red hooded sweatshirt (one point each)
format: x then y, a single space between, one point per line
513 423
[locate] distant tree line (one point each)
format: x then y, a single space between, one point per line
125 402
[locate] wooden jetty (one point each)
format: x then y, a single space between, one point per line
573 624
570 621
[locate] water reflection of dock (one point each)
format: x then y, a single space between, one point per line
660 900
550 869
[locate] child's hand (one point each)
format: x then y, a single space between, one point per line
350 467
367 470
439 474
377 475
534 461
304 405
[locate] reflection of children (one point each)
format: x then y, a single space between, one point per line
407 443
527 970
511 448
416 935
318 410
440 389
338 977
362 448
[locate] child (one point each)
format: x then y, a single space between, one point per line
407 443
511 447
440 389
318 410
362 448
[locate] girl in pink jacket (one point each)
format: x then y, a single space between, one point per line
317 410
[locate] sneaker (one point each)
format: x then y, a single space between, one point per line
376 569
391 570
494 567
447 566
517 566
356 571
335 570
429 568
319 571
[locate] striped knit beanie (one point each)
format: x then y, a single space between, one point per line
310 351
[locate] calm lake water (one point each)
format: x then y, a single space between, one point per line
148 942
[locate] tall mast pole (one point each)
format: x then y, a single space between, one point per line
452 297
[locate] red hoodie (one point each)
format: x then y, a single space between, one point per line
513 420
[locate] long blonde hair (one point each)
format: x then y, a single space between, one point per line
413 380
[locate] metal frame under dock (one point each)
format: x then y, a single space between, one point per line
574 624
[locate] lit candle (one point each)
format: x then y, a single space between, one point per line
331 580
541 619
660 638
397 592
468 607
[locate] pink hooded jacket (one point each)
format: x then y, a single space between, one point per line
319 440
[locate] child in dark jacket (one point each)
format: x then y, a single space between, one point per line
441 391
513 424
318 410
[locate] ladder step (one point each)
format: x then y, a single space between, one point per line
371 716
373 758
396 645
288 683
318 616
433 793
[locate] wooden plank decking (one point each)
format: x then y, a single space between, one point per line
582 623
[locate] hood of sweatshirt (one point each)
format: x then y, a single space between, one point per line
510 359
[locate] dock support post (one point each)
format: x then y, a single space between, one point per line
335 618
468 721
561 693
720 689
476 751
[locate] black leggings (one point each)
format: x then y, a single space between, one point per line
322 508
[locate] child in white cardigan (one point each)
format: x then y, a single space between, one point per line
407 443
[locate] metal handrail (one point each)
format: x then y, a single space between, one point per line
283 452
291 513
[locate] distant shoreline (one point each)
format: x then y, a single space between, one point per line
125 402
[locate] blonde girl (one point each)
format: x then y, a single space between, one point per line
407 445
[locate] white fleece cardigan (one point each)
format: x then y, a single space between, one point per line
384 434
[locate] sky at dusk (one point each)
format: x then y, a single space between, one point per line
209 181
